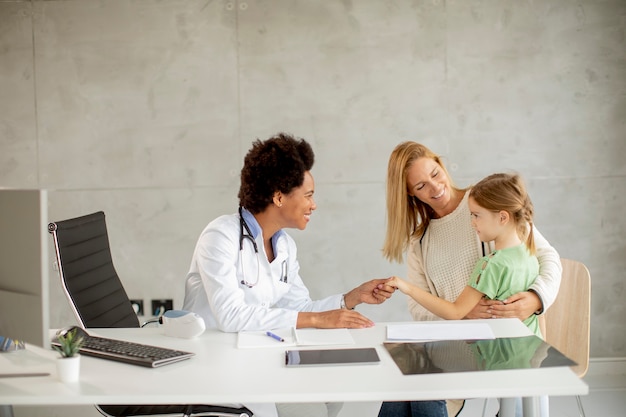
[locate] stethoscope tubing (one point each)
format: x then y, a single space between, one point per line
243 225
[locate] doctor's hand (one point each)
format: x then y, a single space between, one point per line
334 319
376 291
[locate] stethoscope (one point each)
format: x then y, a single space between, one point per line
248 235
243 225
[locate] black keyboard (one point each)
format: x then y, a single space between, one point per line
129 352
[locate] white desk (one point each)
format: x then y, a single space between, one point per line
221 373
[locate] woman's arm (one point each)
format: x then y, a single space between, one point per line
550 270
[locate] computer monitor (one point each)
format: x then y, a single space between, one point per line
24 293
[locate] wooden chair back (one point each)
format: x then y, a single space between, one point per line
567 321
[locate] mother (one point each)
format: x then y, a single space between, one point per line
429 219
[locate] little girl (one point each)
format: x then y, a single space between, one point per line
501 211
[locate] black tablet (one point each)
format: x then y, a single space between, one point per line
320 357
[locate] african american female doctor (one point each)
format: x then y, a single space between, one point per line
244 272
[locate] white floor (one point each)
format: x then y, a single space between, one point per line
607 398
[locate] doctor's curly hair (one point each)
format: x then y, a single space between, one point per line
275 164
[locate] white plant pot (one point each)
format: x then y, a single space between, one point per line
68 369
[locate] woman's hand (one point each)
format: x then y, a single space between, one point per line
521 305
399 284
334 319
482 310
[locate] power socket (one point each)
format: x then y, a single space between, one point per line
137 306
161 306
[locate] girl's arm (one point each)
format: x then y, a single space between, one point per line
456 310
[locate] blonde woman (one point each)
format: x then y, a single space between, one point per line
428 219
501 212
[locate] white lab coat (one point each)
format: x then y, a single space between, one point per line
215 292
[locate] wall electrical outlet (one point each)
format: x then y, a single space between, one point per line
161 306
137 306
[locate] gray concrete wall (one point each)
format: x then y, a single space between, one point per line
144 109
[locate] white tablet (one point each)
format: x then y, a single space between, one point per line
321 357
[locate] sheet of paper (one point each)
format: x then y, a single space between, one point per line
257 339
26 363
439 331
293 337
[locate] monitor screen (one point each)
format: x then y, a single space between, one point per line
24 300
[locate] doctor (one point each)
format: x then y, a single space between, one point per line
244 272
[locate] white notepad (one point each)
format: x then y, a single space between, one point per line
438 331
295 337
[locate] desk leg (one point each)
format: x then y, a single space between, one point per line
6 411
531 407
507 407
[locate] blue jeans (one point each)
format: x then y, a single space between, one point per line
413 409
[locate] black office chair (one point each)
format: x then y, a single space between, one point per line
98 300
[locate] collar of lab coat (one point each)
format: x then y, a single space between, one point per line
255 228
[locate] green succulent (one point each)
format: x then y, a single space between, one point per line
70 344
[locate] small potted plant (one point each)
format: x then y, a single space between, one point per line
68 365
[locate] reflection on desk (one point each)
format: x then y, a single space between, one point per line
475 355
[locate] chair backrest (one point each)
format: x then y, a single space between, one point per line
568 318
89 279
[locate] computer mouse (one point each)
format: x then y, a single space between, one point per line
181 323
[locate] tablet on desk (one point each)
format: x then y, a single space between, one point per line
321 357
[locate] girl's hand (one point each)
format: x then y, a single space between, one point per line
398 283
375 291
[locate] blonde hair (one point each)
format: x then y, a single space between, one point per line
507 192
407 216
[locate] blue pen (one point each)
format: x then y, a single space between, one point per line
275 336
